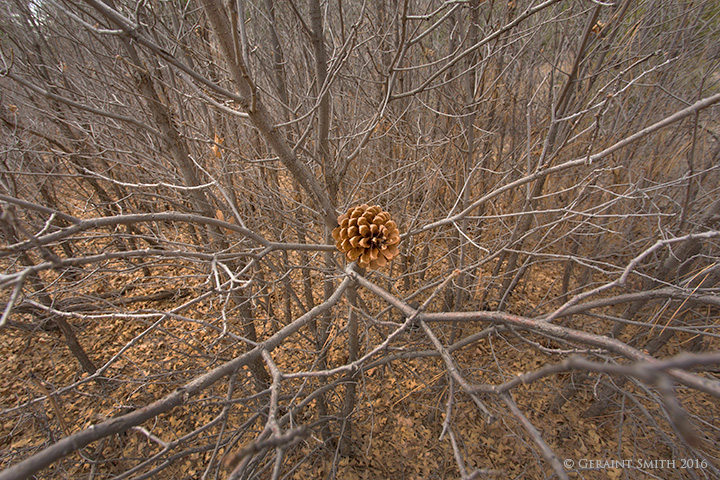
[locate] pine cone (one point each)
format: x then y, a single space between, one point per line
367 234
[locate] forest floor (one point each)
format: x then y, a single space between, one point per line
398 428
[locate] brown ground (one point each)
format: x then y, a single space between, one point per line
398 424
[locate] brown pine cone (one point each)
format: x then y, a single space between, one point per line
367 234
